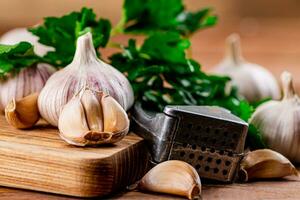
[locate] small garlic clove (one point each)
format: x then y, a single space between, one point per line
24 113
265 163
115 117
93 109
72 123
172 177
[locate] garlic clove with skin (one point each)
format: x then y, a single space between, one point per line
265 163
85 120
85 70
172 177
24 113
279 121
254 82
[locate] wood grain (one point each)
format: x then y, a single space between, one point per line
39 160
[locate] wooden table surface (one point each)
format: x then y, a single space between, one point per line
273 43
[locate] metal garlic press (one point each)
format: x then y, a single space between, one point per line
210 138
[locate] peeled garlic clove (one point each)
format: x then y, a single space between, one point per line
85 70
92 118
265 163
254 82
24 113
279 121
172 177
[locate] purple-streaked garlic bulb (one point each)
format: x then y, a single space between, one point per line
27 81
86 70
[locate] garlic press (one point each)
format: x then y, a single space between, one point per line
210 138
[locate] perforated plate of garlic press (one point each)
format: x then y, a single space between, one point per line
208 137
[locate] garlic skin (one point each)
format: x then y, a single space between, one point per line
24 113
17 35
172 177
27 81
86 70
279 121
85 120
254 82
265 163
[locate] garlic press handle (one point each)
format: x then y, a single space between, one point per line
156 128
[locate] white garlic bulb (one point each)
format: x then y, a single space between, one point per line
86 70
29 80
253 81
279 121
17 35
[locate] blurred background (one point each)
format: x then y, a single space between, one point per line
270 29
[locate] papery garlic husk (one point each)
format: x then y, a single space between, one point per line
86 120
85 70
17 35
172 177
265 163
24 113
254 82
279 121
28 81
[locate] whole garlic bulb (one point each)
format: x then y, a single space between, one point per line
85 120
27 81
86 70
253 81
22 34
279 121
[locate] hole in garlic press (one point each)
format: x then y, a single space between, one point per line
191 156
198 166
182 153
200 158
227 163
209 159
224 172
194 146
206 168
218 161
216 170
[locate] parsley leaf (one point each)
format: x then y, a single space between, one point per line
62 33
15 57
167 15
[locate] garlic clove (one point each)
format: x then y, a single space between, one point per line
93 109
115 117
24 113
72 123
172 177
265 163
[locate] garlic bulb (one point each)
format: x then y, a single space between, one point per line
253 81
85 120
85 70
279 121
17 35
23 113
265 163
172 177
27 81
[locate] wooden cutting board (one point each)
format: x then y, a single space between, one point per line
39 160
